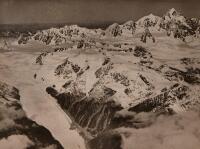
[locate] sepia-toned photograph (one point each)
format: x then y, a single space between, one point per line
99 74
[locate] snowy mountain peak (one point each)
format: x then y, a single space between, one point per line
149 20
172 12
129 25
174 17
172 23
151 15
113 25
129 22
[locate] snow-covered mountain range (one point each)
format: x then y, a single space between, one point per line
112 82
172 24
134 85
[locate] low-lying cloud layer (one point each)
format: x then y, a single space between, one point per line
177 132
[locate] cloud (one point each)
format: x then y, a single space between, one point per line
177 132
19 141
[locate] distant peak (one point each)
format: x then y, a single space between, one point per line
151 15
172 12
128 22
114 24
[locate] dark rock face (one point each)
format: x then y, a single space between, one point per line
60 68
147 34
39 59
60 49
6 91
115 30
44 38
142 52
14 122
106 61
67 84
131 25
67 68
80 44
176 92
75 67
189 61
90 114
191 75
144 55
120 78
102 71
24 38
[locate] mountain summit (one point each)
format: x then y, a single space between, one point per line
172 13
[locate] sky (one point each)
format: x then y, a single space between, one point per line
89 11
